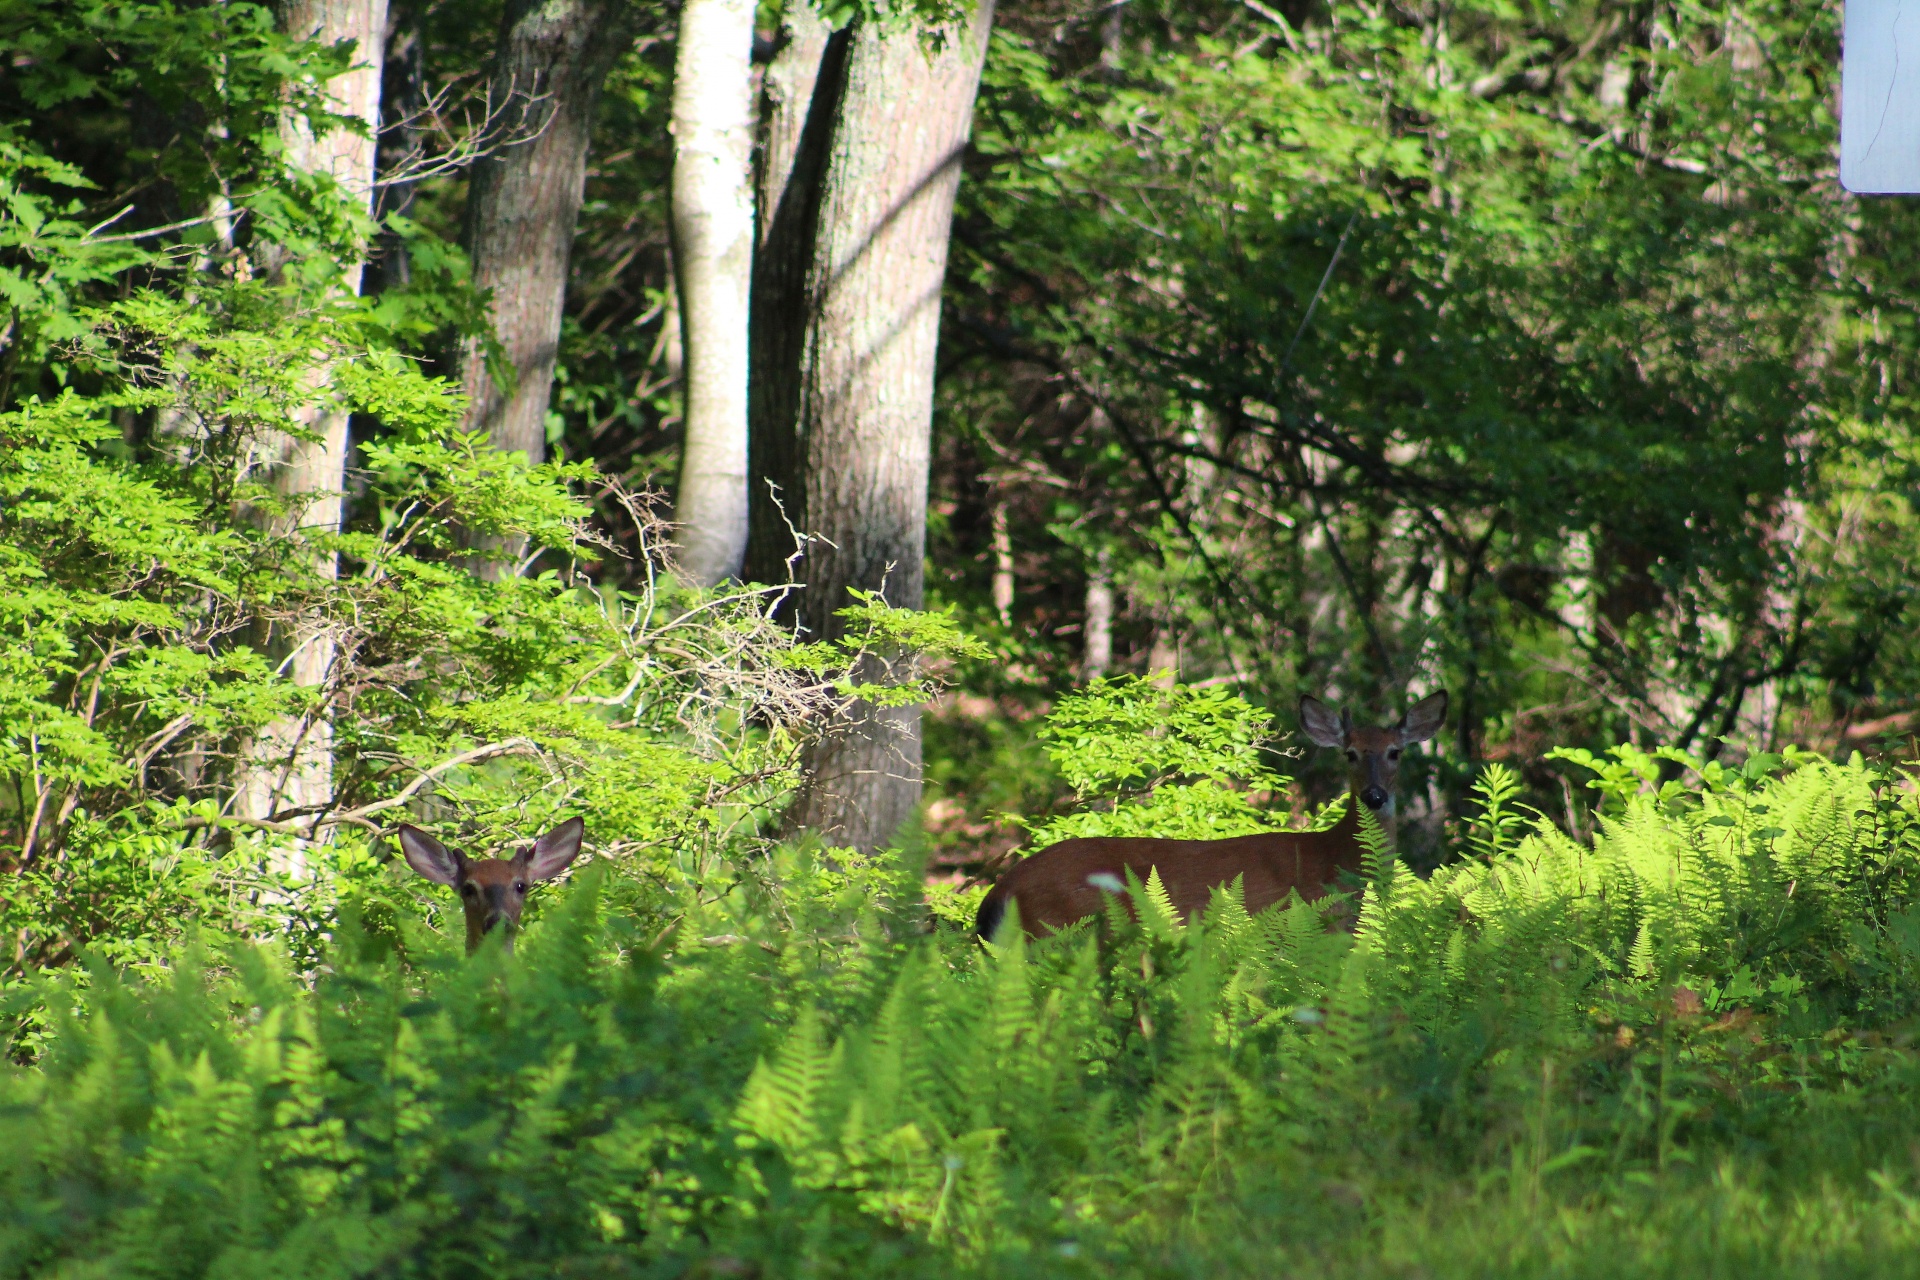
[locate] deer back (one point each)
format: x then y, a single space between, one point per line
1075 878
1072 880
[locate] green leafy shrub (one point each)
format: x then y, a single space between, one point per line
152 581
1144 759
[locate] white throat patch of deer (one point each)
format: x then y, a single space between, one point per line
1074 879
493 891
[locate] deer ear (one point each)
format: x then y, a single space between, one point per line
554 850
428 856
1322 726
1424 718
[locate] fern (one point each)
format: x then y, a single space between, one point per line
1641 960
1377 853
781 1102
1157 911
852 1098
1492 833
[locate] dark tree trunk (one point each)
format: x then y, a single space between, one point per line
403 139
787 105
804 86
524 200
847 314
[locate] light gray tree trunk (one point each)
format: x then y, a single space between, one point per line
1097 652
1002 564
290 764
524 200
846 391
1163 657
713 245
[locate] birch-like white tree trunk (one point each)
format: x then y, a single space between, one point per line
713 244
289 766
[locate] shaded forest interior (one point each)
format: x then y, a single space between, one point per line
1361 349
1354 349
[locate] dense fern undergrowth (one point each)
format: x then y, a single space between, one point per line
1684 1048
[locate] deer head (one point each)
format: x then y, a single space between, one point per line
1373 755
493 890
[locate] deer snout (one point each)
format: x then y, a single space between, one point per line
1374 797
489 907
499 910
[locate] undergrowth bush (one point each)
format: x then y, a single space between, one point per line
1181 762
1682 1048
155 583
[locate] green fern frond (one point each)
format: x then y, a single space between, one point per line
1377 852
1641 959
1455 960
779 1105
1492 833
1159 915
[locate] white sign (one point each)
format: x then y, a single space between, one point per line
1880 98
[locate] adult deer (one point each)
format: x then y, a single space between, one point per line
493 890
1072 880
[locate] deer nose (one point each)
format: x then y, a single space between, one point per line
1374 797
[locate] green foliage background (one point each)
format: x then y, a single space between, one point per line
1531 351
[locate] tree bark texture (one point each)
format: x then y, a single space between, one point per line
713 245
1002 564
788 102
403 139
1097 654
290 764
319 468
524 199
845 378
803 88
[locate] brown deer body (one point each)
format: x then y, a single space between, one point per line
1074 879
493 891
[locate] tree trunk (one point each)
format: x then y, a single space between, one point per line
789 88
524 199
803 88
290 764
845 389
403 140
713 259
1002 564
1163 656
1097 654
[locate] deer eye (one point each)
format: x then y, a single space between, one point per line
1393 753
519 886
467 890
1353 755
